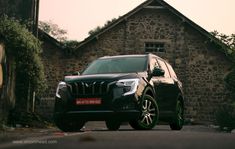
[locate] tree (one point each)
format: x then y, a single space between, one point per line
93 31
23 53
229 40
225 116
98 28
54 30
72 44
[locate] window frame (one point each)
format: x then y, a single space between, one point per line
158 47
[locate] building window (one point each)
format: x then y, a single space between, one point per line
154 47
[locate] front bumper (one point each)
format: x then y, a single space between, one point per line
122 108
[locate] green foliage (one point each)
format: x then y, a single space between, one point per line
72 44
25 48
228 40
70 47
225 117
54 30
27 119
98 28
95 30
230 80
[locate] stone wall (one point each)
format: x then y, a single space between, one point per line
199 64
57 64
206 68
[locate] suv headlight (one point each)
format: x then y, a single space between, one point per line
129 85
59 87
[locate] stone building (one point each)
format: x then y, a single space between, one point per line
198 58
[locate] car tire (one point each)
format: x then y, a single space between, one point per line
149 114
112 125
178 119
67 126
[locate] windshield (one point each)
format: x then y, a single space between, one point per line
117 65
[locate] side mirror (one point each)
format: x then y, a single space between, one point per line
157 72
77 73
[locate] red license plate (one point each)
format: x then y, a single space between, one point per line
88 101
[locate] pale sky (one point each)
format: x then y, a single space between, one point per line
78 17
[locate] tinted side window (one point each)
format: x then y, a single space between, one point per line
172 72
164 67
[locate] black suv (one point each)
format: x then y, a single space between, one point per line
139 89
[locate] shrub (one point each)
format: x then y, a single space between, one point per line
25 49
225 117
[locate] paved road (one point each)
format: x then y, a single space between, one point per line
96 136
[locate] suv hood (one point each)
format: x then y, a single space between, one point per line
97 77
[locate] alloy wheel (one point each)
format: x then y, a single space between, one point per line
149 114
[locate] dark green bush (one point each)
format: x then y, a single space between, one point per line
25 50
225 117
26 119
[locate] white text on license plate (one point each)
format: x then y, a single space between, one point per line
88 101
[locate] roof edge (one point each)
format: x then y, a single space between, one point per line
43 35
194 25
112 24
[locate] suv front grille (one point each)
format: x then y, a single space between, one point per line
90 88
